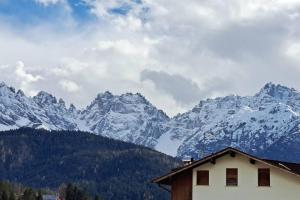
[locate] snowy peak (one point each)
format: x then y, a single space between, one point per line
125 103
128 98
251 123
255 124
106 95
43 98
4 86
6 90
20 93
134 98
72 109
50 105
128 117
277 91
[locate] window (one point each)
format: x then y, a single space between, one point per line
203 177
231 176
263 177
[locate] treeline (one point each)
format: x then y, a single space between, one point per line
72 192
10 191
113 169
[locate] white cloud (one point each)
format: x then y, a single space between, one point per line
102 8
293 49
69 86
123 46
65 12
25 76
129 22
48 2
218 47
70 66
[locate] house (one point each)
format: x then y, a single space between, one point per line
233 174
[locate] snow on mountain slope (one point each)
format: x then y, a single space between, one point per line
256 124
41 111
129 117
252 123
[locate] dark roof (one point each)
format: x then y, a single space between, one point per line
293 168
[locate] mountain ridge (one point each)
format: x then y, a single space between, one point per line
252 123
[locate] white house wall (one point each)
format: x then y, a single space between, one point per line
284 186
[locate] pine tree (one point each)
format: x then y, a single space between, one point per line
4 195
97 197
69 194
29 194
39 196
12 196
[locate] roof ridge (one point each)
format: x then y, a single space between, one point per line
212 157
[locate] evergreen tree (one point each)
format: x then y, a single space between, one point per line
69 194
97 197
39 196
75 193
4 195
29 194
12 196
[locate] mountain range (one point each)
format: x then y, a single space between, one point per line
265 124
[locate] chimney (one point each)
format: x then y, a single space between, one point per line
188 161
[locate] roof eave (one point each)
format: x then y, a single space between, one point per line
166 178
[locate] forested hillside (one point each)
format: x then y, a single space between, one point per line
113 169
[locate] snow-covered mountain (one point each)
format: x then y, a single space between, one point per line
265 124
253 123
128 117
41 111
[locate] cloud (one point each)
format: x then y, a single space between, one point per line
104 8
70 66
125 14
180 88
184 90
173 52
25 78
49 2
69 86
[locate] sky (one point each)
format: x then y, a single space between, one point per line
174 52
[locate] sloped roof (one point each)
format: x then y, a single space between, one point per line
293 168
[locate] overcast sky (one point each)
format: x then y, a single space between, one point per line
174 52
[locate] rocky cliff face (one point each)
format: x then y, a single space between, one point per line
263 124
128 117
253 123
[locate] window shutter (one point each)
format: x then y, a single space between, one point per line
264 177
203 177
231 176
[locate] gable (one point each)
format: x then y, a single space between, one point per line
283 185
283 166
247 170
